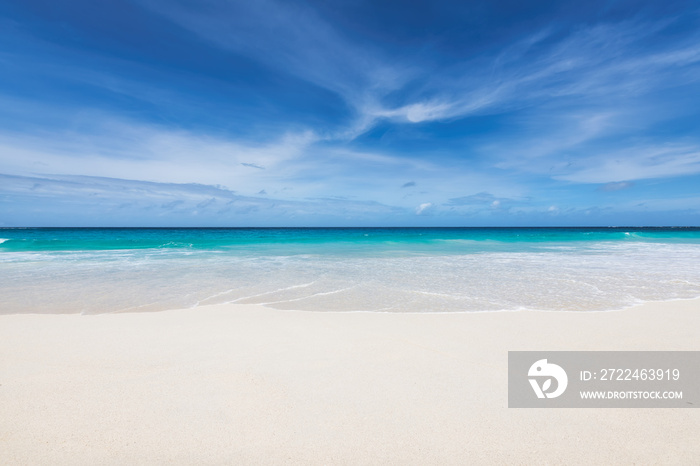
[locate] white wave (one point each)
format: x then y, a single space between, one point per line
439 295
322 293
293 287
216 295
2 240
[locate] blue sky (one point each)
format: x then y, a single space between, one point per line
349 113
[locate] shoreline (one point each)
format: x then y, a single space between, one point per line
250 384
265 306
500 311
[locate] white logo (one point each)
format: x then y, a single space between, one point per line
542 369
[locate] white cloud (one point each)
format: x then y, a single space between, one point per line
424 208
119 149
603 59
635 164
616 186
297 165
292 38
104 201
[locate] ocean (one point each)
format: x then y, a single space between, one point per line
105 270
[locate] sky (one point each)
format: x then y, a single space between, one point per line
349 113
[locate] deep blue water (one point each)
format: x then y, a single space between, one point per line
328 240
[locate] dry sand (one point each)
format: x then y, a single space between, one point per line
242 384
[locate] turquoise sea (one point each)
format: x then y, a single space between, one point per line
97 270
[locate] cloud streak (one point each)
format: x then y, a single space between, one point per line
636 164
111 200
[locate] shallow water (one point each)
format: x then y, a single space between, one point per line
361 269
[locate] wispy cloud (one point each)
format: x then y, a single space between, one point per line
292 38
619 186
425 209
480 199
487 203
118 148
603 60
635 164
296 166
252 165
100 200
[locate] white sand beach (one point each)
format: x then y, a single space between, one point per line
244 384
